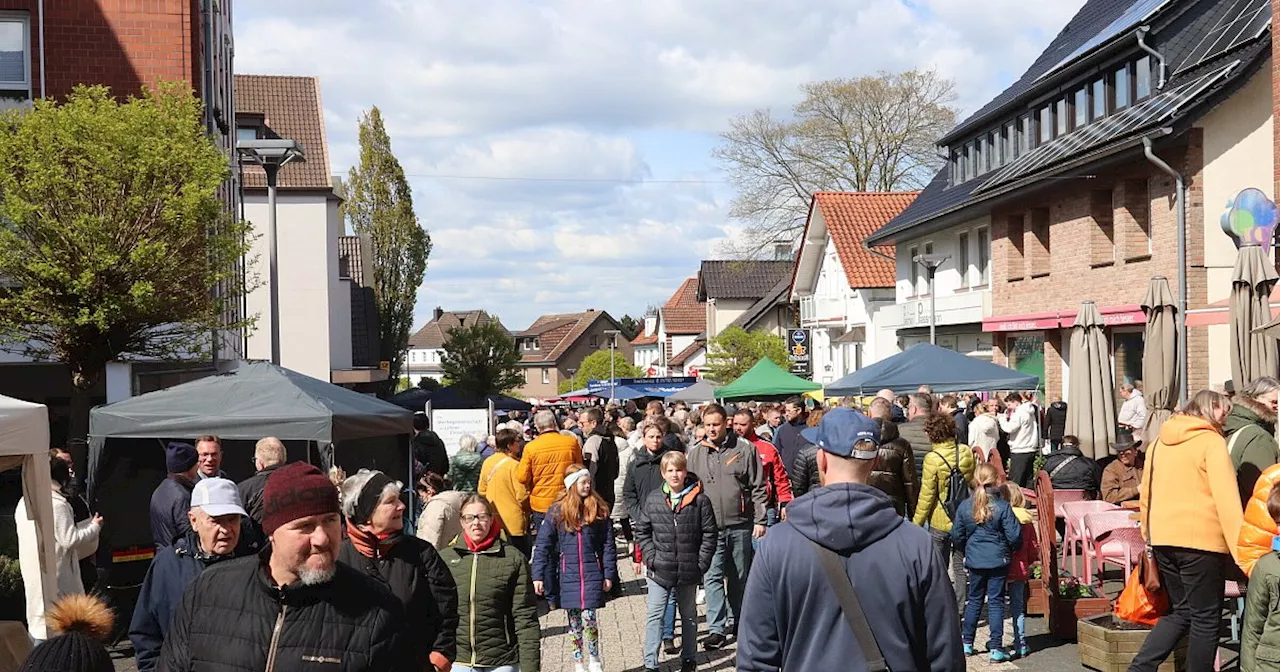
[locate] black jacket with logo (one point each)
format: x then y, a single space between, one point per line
677 542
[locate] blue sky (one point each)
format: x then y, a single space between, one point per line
613 106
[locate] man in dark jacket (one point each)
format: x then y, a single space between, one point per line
171 500
919 407
294 606
268 455
215 532
787 436
1055 424
600 452
428 449
1069 469
950 404
792 618
409 566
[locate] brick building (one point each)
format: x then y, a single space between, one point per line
553 347
1054 168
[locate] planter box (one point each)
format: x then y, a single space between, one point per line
1037 598
1106 648
1064 613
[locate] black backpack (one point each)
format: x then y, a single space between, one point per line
958 488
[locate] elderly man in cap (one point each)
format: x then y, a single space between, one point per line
215 517
845 554
410 567
293 606
1121 478
171 501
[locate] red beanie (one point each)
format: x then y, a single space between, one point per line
294 491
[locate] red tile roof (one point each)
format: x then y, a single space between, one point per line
850 218
645 340
557 333
433 334
683 314
291 107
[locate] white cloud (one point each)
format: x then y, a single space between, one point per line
593 90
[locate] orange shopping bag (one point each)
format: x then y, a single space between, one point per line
1137 605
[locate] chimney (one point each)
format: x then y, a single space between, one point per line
437 313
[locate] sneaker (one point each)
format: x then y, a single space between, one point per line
669 645
968 650
689 666
999 656
1024 651
713 641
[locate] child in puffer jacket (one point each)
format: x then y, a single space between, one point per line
1260 638
989 533
1016 583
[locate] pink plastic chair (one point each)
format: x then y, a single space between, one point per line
1074 513
1113 537
1061 497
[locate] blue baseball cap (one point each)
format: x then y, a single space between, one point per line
840 429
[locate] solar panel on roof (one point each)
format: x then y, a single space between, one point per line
1138 12
1244 21
1114 127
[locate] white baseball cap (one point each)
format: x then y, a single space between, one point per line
217 497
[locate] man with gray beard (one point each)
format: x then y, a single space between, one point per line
293 606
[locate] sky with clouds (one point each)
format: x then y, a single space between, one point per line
559 150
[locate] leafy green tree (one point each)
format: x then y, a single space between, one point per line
115 244
630 327
481 359
735 350
380 203
429 384
595 366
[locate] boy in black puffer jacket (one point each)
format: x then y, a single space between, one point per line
677 533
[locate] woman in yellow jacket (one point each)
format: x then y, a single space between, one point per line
938 463
1190 513
498 484
1259 530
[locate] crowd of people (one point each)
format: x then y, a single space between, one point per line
797 525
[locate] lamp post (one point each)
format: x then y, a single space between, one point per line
931 263
613 341
272 155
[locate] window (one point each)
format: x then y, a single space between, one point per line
15 60
1142 78
957 176
1010 141
1046 124
962 258
1099 98
594 341
992 152
246 133
964 163
979 158
1024 135
546 376
1063 116
1120 88
984 257
1026 354
915 273
1081 107
1126 356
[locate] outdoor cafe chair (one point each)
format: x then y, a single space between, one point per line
1113 537
1073 513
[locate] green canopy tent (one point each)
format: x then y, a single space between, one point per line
766 380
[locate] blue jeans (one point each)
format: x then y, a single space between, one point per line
770 519
726 580
659 598
985 585
669 617
1018 612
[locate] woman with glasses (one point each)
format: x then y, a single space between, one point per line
498 617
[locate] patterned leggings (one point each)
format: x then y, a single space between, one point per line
583 628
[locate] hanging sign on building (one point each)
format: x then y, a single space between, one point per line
798 350
1250 219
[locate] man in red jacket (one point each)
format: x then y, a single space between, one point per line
777 484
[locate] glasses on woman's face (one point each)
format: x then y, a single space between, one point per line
468 518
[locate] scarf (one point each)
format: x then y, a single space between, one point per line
372 545
483 544
676 496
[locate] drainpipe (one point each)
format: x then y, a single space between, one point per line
40 25
1181 190
1142 42
878 253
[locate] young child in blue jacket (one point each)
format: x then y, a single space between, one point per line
986 527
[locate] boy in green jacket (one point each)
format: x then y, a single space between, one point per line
1260 641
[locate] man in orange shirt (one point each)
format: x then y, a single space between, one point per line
542 467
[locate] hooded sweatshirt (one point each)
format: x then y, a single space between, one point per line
1192 500
1250 429
791 618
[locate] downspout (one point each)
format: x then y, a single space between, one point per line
40 26
1142 42
1181 191
878 253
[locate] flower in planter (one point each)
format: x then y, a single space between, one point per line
1070 587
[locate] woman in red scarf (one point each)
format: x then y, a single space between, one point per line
498 617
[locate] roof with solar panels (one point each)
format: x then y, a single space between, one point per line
1093 93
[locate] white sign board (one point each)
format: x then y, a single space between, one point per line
452 424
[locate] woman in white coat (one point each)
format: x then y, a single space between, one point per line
73 541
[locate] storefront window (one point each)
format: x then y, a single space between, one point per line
1126 355
1026 355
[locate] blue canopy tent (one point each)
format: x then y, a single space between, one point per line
942 369
415 399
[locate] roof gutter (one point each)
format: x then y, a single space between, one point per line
1141 34
878 253
1181 205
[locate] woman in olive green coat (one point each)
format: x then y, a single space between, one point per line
497 615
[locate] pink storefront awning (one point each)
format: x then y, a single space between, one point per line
1062 319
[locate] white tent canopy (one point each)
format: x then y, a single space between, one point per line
24 442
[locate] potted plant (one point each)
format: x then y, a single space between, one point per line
1108 644
1074 601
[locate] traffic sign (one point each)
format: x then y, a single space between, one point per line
798 352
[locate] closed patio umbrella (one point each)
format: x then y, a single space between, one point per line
1091 403
1159 357
1253 353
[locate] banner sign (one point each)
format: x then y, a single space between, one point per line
798 346
452 424
647 387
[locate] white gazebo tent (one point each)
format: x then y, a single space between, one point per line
24 442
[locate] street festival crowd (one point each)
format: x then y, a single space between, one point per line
867 536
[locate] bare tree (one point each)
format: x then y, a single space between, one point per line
874 133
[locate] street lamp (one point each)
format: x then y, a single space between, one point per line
272 155
613 341
931 263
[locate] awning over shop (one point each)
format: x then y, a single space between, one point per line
1062 319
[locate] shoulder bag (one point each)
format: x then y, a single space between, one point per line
854 616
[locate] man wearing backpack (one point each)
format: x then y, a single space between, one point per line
818 582
944 482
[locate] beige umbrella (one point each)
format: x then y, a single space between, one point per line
1091 403
1253 351
1159 357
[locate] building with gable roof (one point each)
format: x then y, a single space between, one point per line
426 345
674 339
553 347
